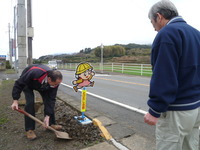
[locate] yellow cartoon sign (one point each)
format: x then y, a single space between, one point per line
84 74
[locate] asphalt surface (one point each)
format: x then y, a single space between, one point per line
125 89
134 135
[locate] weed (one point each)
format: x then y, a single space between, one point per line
3 121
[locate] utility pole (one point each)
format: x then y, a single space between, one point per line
10 45
101 58
30 31
14 42
21 35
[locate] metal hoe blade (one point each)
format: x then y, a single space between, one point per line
62 135
59 134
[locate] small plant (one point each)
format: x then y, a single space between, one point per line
8 66
3 121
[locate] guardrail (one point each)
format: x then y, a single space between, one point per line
125 68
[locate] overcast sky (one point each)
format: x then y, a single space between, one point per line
67 26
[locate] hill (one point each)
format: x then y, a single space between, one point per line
135 46
130 53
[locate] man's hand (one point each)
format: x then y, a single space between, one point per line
14 105
46 121
149 119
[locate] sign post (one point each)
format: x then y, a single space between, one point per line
2 62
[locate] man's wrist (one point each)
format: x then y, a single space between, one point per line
154 113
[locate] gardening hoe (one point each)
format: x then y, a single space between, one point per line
61 135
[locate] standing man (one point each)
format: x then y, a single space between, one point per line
174 97
44 80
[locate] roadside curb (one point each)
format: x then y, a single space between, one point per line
131 140
104 131
93 116
107 135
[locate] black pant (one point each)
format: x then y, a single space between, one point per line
30 108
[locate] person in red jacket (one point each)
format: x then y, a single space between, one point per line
44 80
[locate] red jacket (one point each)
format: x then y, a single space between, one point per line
33 77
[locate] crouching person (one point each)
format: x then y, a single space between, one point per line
44 80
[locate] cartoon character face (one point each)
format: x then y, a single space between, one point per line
86 75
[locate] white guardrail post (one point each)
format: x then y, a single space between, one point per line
112 67
118 67
70 65
141 72
123 68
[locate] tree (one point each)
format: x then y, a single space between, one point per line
97 51
8 66
110 51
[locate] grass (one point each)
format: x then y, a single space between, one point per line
3 120
130 70
10 71
148 74
6 83
3 88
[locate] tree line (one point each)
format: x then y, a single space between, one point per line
94 55
110 51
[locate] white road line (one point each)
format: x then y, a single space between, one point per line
112 101
102 75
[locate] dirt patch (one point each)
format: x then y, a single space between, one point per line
13 134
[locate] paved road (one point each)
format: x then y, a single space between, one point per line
4 76
130 90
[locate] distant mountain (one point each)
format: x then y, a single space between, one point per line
133 46
87 54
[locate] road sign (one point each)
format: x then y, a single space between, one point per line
2 56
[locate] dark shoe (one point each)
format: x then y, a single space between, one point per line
75 88
92 84
30 134
56 127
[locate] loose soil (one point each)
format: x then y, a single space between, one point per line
13 134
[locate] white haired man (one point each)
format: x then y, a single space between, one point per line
174 97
